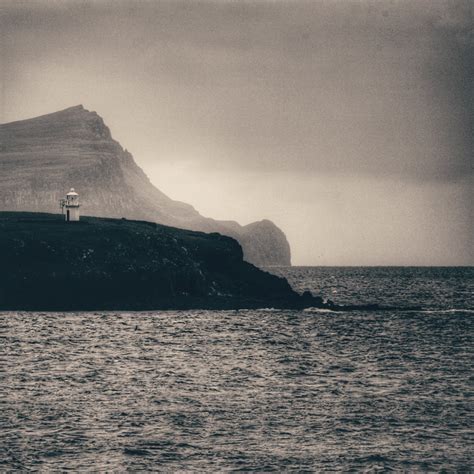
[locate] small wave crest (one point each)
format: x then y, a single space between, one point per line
318 310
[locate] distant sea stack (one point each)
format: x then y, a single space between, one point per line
42 157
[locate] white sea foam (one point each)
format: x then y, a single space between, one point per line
318 310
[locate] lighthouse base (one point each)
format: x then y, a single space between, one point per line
72 214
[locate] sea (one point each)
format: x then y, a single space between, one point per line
249 390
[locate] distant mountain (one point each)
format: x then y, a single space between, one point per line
41 158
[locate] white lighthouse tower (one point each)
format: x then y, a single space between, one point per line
70 206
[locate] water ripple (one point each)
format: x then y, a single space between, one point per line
236 390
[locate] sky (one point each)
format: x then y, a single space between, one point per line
347 123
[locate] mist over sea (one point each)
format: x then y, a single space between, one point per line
249 390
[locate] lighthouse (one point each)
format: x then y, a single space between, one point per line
70 206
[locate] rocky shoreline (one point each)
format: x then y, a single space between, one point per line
118 264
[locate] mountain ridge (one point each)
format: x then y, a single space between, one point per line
42 157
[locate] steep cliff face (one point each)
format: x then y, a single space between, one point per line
43 157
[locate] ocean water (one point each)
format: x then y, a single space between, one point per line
249 390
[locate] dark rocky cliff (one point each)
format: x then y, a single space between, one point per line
104 264
41 158
97 263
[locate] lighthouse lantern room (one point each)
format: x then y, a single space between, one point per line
70 206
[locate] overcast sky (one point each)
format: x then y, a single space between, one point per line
347 123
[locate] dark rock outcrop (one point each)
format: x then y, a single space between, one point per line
100 263
117 264
41 158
